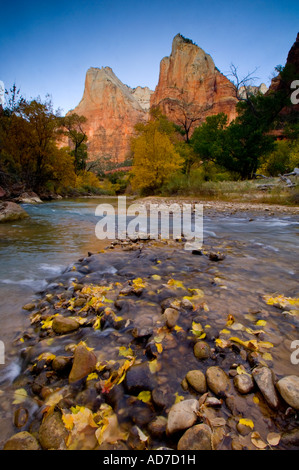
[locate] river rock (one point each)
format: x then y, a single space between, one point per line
139 378
264 379
21 441
202 350
217 380
197 380
198 437
182 415
10 211
288 388
52 432
29 198
171 316
157 427
84 363
244 383
61 363
63 325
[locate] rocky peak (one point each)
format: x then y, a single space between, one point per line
188 76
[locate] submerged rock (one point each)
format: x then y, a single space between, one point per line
202 350
139 378
22 441
198 437
182 415
244 383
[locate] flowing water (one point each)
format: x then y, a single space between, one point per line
261 258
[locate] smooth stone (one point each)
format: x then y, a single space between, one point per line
29 307
288 388
182 415
52 432
198 437
21 441
157 427
202 350
60 363
264 380
84 363
218 381
171 316
197 380
63 325
244 383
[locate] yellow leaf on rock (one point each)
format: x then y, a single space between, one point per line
125 352
159 347
20 395
261 323
241 370
247 422
230 320
174 283
92 376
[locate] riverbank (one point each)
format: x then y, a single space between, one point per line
147 345
214 207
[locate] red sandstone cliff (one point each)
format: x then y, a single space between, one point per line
112 109
190 85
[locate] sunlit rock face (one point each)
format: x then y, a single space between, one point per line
189 83
112 109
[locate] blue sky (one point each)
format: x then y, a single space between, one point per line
47 47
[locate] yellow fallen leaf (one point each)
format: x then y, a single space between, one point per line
225 332
261 323
247 422
46 356
176 284
92 376
222 343
109 430
20 395
156 277
256 400
145 396
230 320
241 370
197 292
125 352
178 398
153 366
159 347
267 356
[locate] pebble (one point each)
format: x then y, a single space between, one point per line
244 383
202 350
197 380
171 316
217 380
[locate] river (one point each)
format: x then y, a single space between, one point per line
262 258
